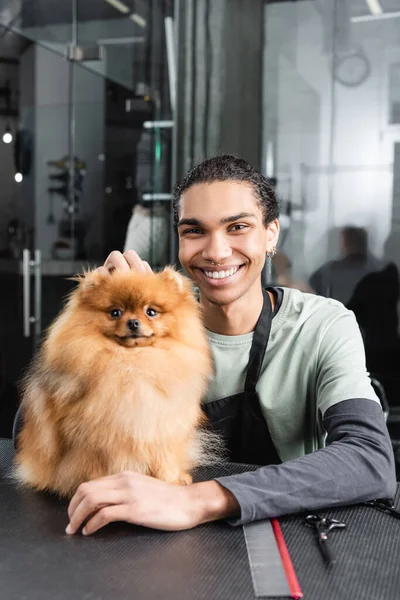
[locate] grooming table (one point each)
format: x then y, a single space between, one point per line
38 561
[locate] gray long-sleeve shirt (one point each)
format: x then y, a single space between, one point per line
356 465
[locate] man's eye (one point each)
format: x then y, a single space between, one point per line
238 227
115 313
191 231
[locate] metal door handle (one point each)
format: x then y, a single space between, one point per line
26 292
38 295
27 264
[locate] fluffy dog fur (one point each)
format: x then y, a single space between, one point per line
104 395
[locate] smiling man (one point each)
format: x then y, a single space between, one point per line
290 392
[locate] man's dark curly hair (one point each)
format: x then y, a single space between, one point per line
230 168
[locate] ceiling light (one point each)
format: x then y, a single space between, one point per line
119 6
18 177
375 7
383 16
7 136
138 19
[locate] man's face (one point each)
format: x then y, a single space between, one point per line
222 223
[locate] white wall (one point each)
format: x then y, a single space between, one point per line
49 118
349 130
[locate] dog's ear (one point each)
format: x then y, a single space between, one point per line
170 273
89 278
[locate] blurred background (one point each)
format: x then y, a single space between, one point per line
105 103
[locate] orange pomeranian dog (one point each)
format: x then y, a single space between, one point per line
117 385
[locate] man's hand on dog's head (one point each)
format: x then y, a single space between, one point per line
129 260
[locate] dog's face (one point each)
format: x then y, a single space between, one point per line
130 325
133 309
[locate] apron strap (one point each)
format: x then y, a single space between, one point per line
259 345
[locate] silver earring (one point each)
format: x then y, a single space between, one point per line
270 255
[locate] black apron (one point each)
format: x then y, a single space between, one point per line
239 418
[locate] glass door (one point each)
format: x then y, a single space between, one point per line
89 160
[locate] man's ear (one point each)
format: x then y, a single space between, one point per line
273 230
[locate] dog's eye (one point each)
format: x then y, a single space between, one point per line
150 312
116 313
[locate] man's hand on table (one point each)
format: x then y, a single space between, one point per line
146 501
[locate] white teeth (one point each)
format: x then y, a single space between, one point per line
221 274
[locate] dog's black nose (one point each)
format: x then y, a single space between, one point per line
133 324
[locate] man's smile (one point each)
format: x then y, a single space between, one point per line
217 276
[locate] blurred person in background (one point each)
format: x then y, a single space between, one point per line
338 278
370 288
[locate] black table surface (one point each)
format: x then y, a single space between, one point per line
38 561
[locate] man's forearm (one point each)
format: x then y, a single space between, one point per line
357 465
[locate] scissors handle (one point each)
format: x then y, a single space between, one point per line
326 550
323 526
